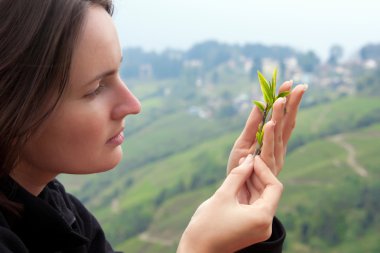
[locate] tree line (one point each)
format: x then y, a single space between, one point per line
208 55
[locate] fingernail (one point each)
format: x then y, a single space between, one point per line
305 87
249 158
274 122
282 100
291 83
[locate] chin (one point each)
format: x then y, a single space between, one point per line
100 169
101 166
112 163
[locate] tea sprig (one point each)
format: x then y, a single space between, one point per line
268 88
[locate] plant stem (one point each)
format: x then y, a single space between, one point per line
260 130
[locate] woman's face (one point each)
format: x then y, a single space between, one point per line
85 132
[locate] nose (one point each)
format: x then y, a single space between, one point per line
126 102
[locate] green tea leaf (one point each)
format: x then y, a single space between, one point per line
265 88
269 92
274 82
270 88
260 105
283 94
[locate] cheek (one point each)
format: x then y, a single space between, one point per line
70 142
82 133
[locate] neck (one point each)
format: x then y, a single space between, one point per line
31 180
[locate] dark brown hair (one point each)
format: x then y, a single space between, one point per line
37 39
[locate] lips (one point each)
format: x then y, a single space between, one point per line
116 139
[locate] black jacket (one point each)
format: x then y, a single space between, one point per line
57 222
52 222
273 244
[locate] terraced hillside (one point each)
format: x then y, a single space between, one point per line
175 160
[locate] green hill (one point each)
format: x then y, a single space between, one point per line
175 160
322 208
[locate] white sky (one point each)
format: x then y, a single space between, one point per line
302 24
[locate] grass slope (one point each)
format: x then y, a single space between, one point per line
179 161
315 185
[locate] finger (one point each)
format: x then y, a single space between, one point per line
238 161
248 135
255 187
272 187
238 176
267 153
278 116
291 108
286 86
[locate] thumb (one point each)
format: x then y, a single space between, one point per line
238 176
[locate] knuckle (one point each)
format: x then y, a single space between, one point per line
280 187
293 125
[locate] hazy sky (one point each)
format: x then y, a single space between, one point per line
302 24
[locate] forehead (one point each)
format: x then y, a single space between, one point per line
97 48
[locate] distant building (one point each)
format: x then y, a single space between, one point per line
247 65
193 64
292 69
370 64
269 65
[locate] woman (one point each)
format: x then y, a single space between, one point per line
63 107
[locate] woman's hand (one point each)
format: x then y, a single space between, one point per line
227 223
284 116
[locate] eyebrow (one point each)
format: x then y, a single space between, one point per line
104 74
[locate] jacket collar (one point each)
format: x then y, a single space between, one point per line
47 222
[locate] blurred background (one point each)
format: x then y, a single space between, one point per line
193 64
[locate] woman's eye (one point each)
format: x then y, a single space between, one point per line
97 91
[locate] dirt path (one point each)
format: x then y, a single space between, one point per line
351 158
152 239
